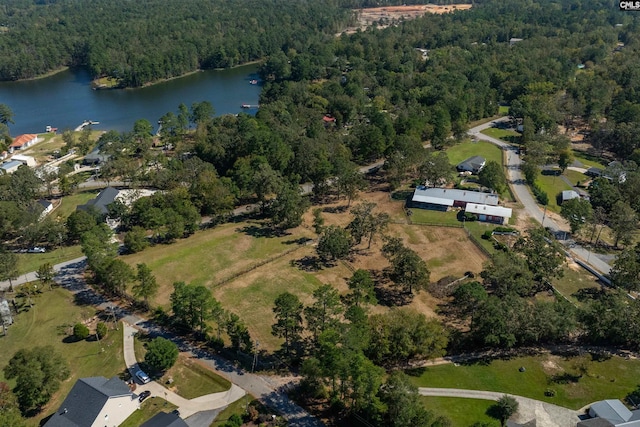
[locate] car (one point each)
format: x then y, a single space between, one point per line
36 250
144 378
175 411
144 395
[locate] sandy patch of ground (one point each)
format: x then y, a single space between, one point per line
550 366
390 14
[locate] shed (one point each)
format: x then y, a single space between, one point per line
486 213
47 207
10 166
472 164
568 195
25 160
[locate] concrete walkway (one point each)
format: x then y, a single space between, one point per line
545 414
186 407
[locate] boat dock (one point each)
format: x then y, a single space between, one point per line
85 124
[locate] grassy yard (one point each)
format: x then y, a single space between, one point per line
190 379
611 378
461 412
575 177
477 228
148 409
504 134
426 216
589 161
552 185
238 407
69 203
463 151
31 262
47 323
574 279
211 255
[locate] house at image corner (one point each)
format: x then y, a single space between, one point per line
611 413
95 402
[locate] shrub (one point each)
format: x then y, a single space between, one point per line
80 331
101 330
541 196
161 354
487 235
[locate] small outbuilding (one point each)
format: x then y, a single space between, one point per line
47 207
10 166
568 195
472 164
25 160
486 213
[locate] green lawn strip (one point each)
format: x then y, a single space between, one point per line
31 262
210 256
503 110
552 186
589 161
575 177
238 407
188 378
426 216
504 134
461 412
612 378
464 150
48 323
477 228
69 203
148 409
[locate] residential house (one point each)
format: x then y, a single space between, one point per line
594 172
95 402
486 213
611 413
472 164
10 166
22 142
106 197
443 198
47 207
94 158
163 419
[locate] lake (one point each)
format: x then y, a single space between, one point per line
66 99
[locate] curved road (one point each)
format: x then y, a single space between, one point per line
522 193
545 414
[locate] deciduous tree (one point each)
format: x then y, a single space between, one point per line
161 354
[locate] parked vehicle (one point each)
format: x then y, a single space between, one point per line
144 378
36 250
144 395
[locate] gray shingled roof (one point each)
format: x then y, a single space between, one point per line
612 410
85 401
162 419
106 197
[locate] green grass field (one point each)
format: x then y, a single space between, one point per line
612 378
463 151
148 409
552 186
503 110
210 256
69 203
574 280
31 262
504 134
47 323
461 412
575 177
426 216
589 161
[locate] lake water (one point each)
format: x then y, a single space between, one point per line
66 99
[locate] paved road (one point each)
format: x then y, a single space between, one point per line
545 414
522 193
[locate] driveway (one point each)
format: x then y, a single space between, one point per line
545 414
186 407
522 193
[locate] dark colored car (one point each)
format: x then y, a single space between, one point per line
175 411
144 395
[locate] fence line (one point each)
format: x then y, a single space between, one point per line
478 244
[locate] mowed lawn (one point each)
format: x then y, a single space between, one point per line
148 409
611 378
211 256
47 323
461 412
31 262
552 185
464 150
503 134
68 204
574 279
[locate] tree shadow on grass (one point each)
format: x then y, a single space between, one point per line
254 230
392 296
309 263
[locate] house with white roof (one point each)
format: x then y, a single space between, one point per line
486 213
443 198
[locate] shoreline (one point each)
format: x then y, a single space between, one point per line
155 82
43 76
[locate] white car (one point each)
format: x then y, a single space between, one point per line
36 250
144 378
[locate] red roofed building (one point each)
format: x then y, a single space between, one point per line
23 141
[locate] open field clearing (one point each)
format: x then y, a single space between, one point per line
48 323
210 256
610 378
